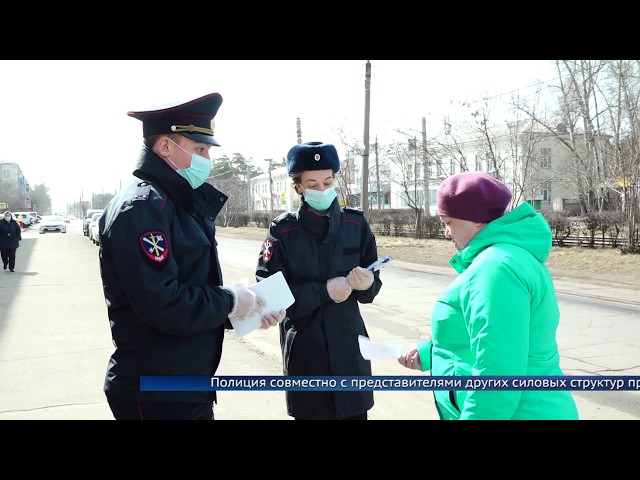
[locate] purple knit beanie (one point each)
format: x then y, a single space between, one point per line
473 196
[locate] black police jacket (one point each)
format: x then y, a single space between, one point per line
320 337
161 279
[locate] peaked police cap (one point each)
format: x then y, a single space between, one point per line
193 119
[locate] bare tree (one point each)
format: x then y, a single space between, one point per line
347 177
232 177
577 125
622 100
504 145
598 115
406 175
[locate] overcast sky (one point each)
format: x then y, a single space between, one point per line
65 122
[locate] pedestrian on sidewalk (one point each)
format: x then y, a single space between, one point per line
10 237
500 315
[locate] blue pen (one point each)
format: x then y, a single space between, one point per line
379 263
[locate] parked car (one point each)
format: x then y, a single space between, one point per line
34 217
52 223
20 222
94 229
25 218
87 220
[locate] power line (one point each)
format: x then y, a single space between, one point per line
544 83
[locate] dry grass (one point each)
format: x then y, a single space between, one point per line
603 266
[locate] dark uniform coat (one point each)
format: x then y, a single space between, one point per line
320 337
161 279
10 235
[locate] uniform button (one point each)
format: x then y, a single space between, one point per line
210 218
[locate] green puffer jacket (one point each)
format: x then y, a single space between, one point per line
499 317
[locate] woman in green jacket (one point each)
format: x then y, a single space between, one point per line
500 315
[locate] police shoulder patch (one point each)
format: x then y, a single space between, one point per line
154 245
267 250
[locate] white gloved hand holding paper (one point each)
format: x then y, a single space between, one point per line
277 298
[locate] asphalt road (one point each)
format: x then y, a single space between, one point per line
55 341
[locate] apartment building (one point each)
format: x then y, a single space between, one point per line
15 192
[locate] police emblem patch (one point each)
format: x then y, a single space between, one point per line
154 245
267 250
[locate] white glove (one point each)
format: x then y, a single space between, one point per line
245 302
272 319
360 278
339 289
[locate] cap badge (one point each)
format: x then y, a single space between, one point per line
316 157
192 129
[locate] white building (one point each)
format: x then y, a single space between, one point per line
273 191
533 164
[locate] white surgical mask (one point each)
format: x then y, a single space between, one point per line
196 173
320 200
7 218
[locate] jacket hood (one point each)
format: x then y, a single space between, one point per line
523 227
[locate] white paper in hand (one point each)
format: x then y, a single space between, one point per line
275 291
371 350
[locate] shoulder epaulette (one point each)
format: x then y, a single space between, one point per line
353 210
284 216
142 192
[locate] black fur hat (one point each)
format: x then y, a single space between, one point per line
312 156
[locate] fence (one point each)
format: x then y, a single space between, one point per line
595 231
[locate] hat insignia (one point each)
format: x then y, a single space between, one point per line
316 157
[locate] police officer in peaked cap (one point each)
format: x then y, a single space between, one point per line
161 276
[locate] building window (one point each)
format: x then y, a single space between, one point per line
545 157
478 163
546 191
452 166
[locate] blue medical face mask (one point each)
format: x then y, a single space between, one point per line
320 200
196 173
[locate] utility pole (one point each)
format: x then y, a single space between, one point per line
425 169
249 194
299 130
364 201
378 176
269 163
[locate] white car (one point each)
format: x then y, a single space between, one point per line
25 217
52 223
94 228
87 220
